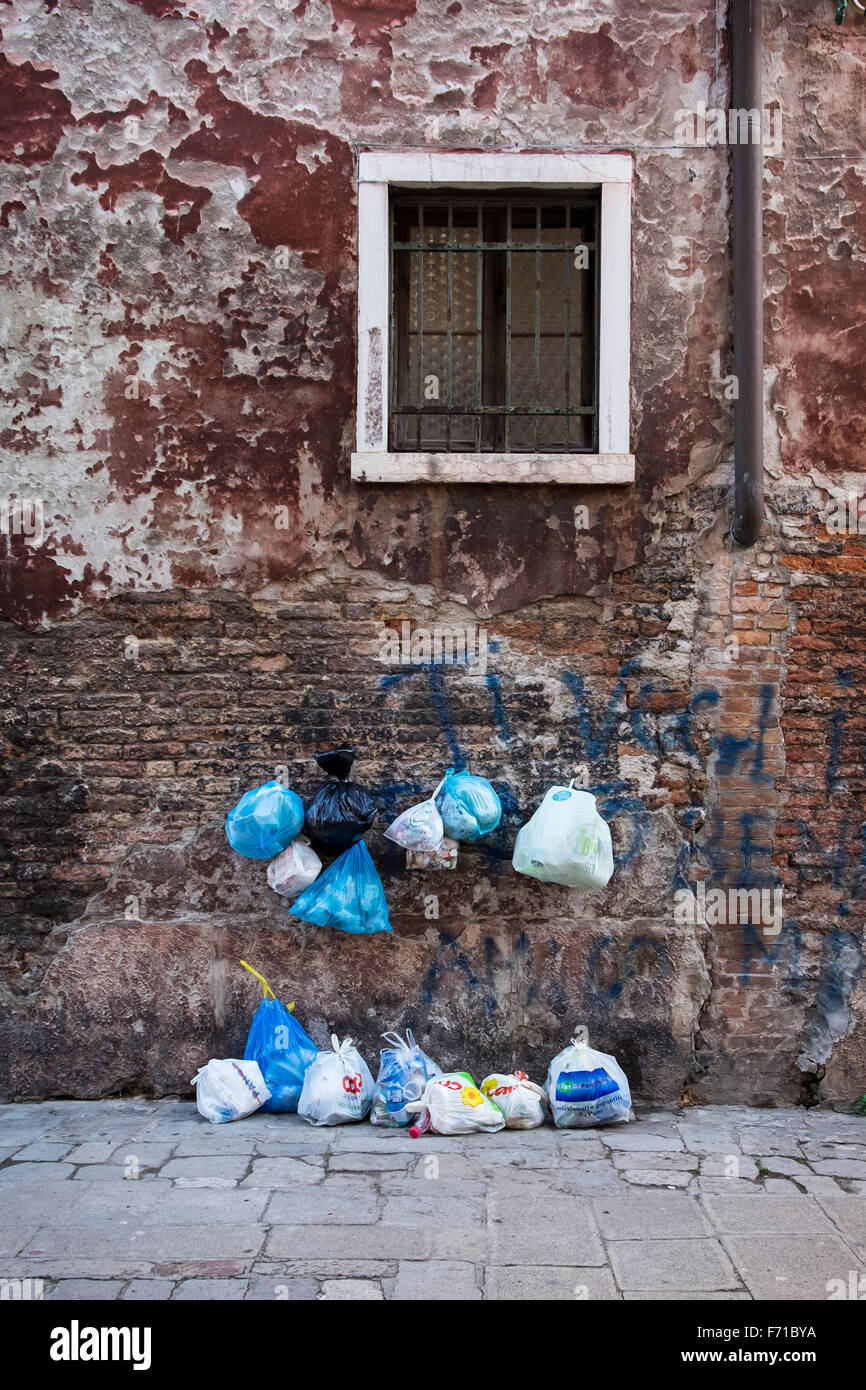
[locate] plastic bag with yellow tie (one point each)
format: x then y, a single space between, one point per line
453 1104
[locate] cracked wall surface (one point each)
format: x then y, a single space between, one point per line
178 270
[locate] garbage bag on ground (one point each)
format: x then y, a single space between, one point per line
227 1089
565 841
455 1105
265 821
338 1086
523 1104
419 827
348 895
281 1047
445 857
586 1088
340 812
404 1070
469 806
295 869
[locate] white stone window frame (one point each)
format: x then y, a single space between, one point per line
378 172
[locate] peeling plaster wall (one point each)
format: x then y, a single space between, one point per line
177 234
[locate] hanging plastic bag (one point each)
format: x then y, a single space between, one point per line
586 1088
348 895
469 806
453 1104
280 1046
566 841
338 1086
404 1071
226 1089
419 827
340 812
295 869
265 821
445 857
523 1104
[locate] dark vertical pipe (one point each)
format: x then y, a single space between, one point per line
748 272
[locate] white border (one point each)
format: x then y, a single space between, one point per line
380 170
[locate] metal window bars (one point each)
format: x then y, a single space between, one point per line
494 322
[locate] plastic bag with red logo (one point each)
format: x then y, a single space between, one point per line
338 1087
523 1104
453 1104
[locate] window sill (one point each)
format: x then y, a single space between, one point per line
583 469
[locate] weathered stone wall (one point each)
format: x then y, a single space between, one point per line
178 232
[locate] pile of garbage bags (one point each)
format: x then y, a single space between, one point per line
283 1070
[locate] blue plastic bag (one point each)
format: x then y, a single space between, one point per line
348 895
281 1047
265 821
469 806
404 1070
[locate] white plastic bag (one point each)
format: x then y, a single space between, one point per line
295 869
586 1088
523 1104
456 1106
420 827
228 1089
404 1070
566 841
445 857
338 1087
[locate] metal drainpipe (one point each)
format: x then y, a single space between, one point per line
748 274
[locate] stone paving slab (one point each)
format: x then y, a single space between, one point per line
139 1200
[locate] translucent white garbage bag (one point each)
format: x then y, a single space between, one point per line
420 827
523 1104
227 1089
338 1086
566 841
586 1088
295 869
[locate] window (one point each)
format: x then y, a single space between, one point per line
493 323
493 301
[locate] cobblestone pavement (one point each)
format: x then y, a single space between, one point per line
146 1200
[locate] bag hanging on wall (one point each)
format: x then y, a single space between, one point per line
295 869
340 812
565 841
348 895
404 1070
338 1087
265 821
281 1047
469 806
419 828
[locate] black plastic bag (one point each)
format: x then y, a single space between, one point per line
341 812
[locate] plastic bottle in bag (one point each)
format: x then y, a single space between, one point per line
404 1070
